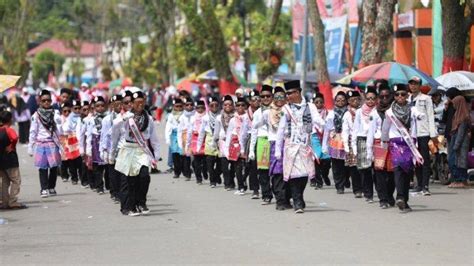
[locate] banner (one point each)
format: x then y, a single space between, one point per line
334 29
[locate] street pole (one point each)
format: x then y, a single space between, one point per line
303 50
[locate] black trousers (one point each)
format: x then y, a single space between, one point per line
74 168
198 167
86 174
423 172
280 190
297 187
322 171
181 165
228 171
123 195
106 177
367 182
98 177
48 180
339 173
264 181
63 170
214 169
356 179
239 167
114 179
254 183
138 189
24 131
385 186
402 183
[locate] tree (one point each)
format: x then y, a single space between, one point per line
275 15
322 74
456 26
46 62
376 30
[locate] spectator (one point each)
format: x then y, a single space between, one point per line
9 162
22 116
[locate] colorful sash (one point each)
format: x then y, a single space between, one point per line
234 148
406 137
382 160
301 138
263 153
336 146
194 141
141 140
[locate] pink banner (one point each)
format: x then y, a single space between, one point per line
338 8
353 11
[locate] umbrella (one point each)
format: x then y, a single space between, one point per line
7 81
186 84
211 74
463 80
391 71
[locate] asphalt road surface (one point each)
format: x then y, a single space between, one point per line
191 224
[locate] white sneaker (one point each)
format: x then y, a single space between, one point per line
299 211
44 193
241 192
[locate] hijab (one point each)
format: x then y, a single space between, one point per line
461 114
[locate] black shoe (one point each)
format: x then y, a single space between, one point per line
347 184
312 184
266 201
407 208
170 170
340 191
176 176
52 192
318 186
255 195
74 182
383 205
155 171
400 204
65 180
426 192
288 206
144 209
327 181
280 208
416 190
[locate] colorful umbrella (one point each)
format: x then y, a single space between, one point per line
7 81
391 71
463 80
187 85
211 74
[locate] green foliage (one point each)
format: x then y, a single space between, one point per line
45 62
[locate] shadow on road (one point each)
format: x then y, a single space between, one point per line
162 212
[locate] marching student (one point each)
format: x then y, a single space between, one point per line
71 145
251 168
105 146
294 131
360 129
65 110
235 139
333 144
206 136
194 127
86 166
260 145
353 98
323 165
171 136
378 152
93 132
184 124
44 144
220 133
135 158
399 129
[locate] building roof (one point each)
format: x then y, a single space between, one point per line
88 49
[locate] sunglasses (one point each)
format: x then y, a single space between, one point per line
227 104
240 105
46 100
255 98
76 108
266 96
403 94
66 111
279 98
126 102
370 98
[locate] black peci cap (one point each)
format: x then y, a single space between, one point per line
266 87
293 84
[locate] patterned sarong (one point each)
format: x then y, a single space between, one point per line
401 154
174 142
184 137
63 141
351 158
317 148
71 150
263 153
131 158
382 158
297 161
47 155
210 148
234 149
276 166
362 162
336 146
95 150
194 142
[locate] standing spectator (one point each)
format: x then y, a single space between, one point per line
9 162
425 130
85 93
30 100
159 103
459 144
21 115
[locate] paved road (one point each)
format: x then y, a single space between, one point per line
191 224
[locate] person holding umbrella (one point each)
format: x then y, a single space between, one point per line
425 130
